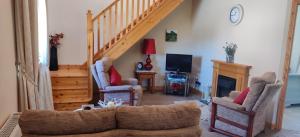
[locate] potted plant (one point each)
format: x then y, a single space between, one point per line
230 50
54 42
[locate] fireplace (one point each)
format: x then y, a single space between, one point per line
228 77
225 85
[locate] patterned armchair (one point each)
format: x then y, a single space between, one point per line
129 91
248 119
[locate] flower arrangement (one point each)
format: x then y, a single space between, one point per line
54 39
230 50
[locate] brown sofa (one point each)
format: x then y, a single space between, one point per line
178 120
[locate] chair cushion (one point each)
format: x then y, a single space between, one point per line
269 77
257 85
95 75
67 122
162 117
115 78
102 75
267 95
241 97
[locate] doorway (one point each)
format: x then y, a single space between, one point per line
291 114
289 102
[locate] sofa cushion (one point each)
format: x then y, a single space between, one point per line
67 122
241 97
183 132
162 117
257 85
115 78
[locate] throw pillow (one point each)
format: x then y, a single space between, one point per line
240 99
115 78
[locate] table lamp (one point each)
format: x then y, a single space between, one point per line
148 49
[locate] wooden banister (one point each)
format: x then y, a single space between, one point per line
109 23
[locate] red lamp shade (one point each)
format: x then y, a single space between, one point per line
149 46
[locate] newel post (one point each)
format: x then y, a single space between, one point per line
90 50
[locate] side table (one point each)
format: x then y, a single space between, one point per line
142 75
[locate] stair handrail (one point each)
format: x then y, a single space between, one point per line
103 11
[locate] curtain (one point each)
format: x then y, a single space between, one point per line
33 92
45 87
27 53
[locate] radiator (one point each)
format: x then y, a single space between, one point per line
11 127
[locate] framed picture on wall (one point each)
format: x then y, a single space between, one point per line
171 35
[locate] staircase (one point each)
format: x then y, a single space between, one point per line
110 33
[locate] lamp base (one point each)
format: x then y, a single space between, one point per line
148 65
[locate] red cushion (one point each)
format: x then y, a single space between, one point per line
240 99
115 78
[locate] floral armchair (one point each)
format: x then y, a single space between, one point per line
129 91
248 119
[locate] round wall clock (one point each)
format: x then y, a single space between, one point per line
236 14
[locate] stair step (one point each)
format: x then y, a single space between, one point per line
69 73
70 87
70 92
76 99
69 81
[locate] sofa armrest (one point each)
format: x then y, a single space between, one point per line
228 104
234 94
130 81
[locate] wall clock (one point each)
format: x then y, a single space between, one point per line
236 14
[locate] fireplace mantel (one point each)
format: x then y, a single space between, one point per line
239 72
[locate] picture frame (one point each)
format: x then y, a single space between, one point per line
171 35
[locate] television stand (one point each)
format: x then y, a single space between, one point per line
177 83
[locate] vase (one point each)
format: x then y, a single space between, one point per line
53 59
230 58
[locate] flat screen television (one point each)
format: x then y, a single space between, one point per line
179 62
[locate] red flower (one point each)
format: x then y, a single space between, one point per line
54 39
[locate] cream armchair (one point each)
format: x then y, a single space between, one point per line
248 119
129 91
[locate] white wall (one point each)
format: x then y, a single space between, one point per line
69 17
8 81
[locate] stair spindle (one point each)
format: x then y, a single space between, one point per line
104 29
138 10
98 33
116 22
110 27
143 7
149 3
127 12
121 18
132 10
